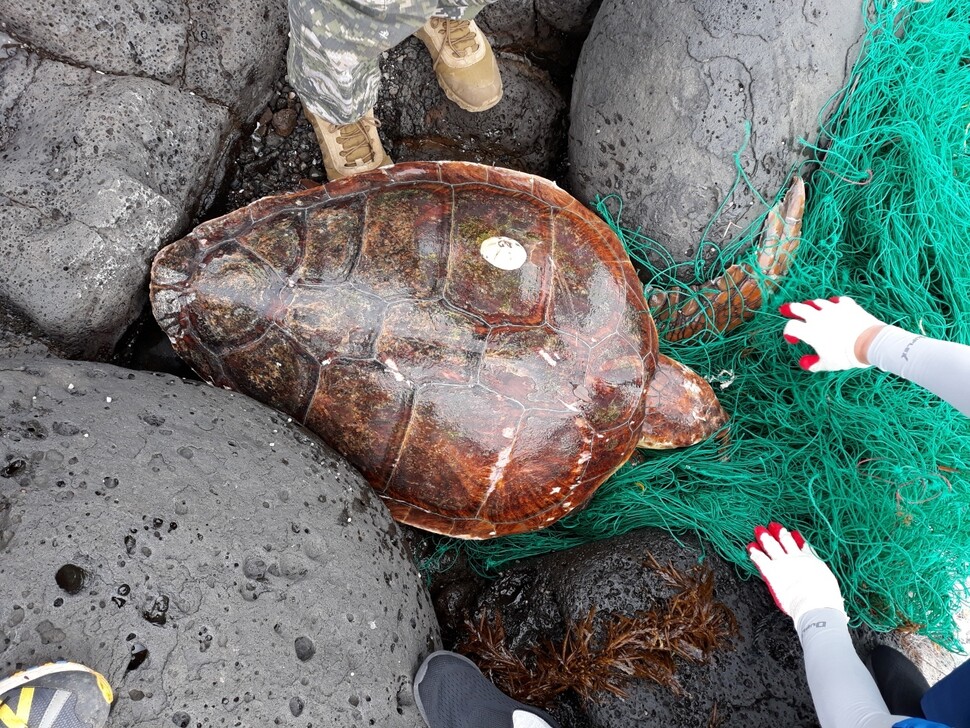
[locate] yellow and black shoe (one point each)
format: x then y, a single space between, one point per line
55 695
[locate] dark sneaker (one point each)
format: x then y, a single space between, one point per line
451 692
56 695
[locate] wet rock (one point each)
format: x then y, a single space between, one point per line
97 173
266 163
227 52
284 122
550 34
509 25
216 562
17 340
109 151
523 131
569 16
756 677
665 140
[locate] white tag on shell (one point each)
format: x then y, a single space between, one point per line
504 253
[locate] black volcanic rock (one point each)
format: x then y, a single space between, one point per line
216 562
663 92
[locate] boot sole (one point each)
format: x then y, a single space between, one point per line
18 679
455 99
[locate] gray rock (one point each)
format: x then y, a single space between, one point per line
236 51
229 52
537 26
523 131
662 94
96 173
757 679
510 24
569 16
17 340
216 562
549 34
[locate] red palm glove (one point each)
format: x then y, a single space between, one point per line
797 578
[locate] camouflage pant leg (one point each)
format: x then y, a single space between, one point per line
461 9
332 62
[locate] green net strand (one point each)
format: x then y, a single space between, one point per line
873 470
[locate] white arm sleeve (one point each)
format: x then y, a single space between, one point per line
843 691
942 367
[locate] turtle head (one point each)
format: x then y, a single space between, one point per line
681 408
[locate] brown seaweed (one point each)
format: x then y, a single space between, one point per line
602 653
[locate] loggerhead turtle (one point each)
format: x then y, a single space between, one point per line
473 339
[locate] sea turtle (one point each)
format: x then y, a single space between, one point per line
473 339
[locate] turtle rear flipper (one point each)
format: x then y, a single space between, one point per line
681 409
722 304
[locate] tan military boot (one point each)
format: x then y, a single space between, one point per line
349 149
464 62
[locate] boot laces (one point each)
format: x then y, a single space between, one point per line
354 141
458 35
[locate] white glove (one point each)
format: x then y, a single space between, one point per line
797 578
831 326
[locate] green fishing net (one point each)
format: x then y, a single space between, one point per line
873 470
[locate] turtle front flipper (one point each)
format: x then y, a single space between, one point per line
681 409
724 303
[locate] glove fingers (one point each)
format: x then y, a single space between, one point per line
787 542
808 361
769 544
783 536
759 558
795 331
797 310
799 539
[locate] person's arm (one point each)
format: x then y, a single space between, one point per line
843 691
942 367
804 588
845 336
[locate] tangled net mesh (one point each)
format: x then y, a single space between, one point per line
873 470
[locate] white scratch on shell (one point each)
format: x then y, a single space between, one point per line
392 368
497 471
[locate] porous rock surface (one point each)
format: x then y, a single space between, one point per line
663 91
216 562
226 52
522 131
549 31
756 679
115 124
